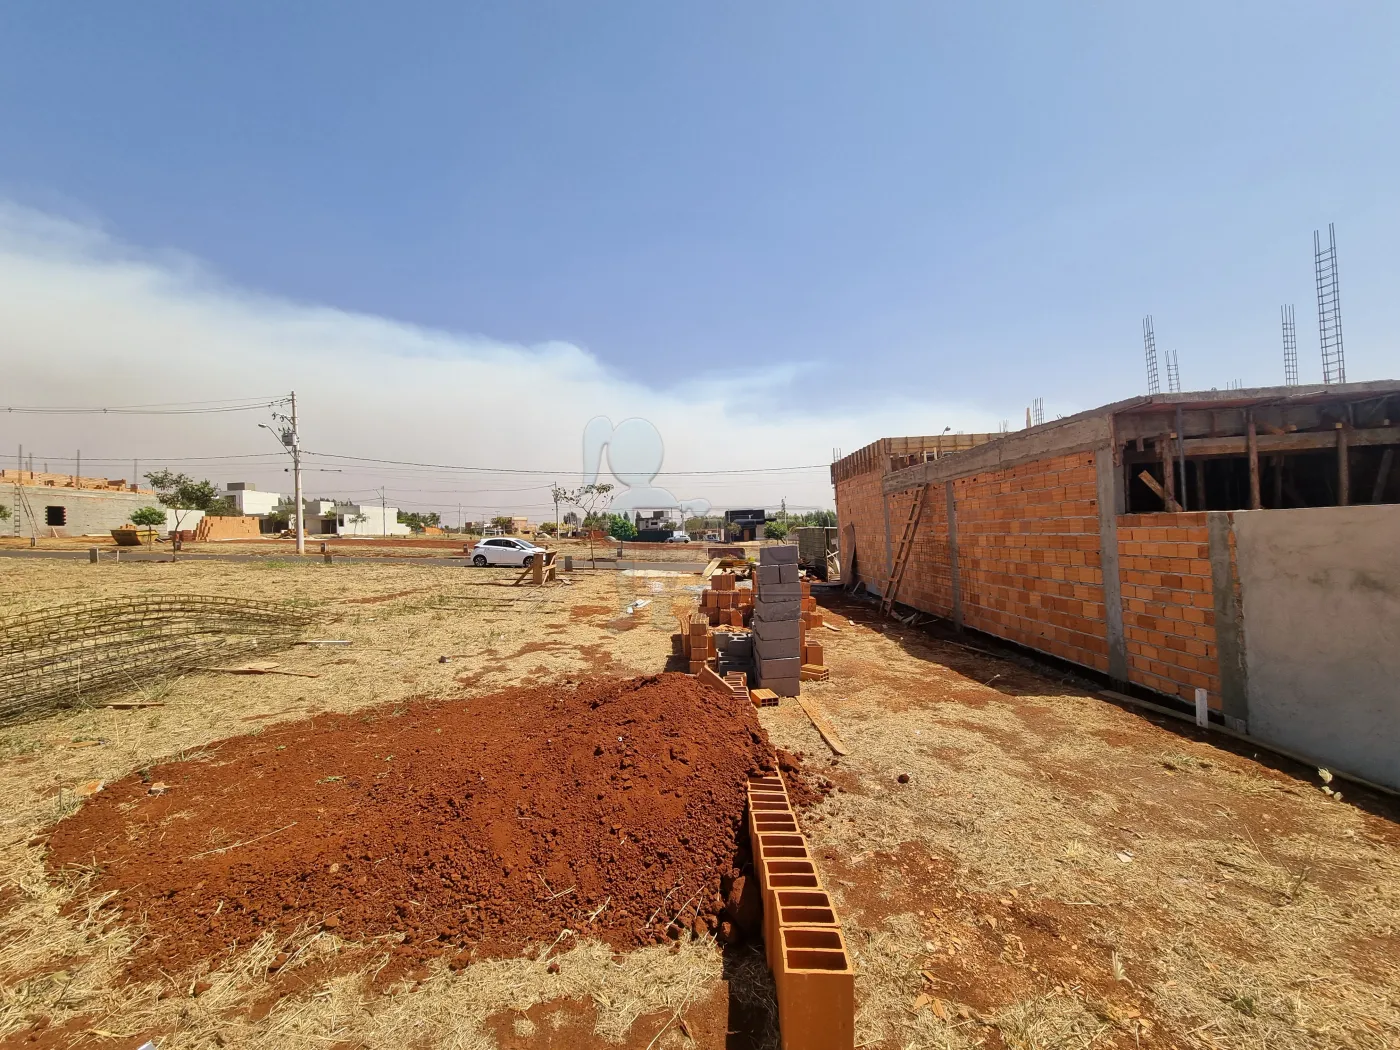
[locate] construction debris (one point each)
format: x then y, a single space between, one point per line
823 725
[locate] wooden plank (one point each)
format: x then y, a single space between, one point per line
710 568
1298 441
823 725
1169 504
1253 444
1343 468
1382 475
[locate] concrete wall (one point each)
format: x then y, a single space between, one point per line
87 512
1320 592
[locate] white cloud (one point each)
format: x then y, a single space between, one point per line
85 320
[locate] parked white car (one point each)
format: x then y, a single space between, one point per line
503 550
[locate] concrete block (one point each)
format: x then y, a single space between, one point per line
781 649
772 630
788 574
780 592
784 686
765 610
766 574
783 554
781 667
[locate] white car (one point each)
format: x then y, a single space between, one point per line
501 550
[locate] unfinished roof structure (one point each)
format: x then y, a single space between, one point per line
1241 542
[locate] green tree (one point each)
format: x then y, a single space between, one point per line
223 507
775 530
620 527
4 512
503 522
182 494
148 518
548 528
418 522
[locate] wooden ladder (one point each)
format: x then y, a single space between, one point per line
902 552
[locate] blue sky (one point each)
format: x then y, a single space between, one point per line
972 205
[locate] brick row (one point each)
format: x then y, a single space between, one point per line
803 939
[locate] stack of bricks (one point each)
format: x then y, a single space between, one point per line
698 643
802 935
777 621
724 602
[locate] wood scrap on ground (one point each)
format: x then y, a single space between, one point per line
257 667
823 725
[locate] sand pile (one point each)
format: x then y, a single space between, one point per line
610 808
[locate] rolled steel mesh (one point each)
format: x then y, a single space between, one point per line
73 655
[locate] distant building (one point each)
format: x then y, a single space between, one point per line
51 505
248 500
328 518
740 525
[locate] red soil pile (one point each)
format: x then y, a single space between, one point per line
611 808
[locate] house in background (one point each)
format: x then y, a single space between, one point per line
741 525
329 518
249 501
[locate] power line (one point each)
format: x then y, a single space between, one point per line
170 409
521 470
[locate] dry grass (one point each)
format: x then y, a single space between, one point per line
1217 898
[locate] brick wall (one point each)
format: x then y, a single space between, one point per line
1028 557
1030 569
858 504
1168 604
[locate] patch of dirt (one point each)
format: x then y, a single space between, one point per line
610 812
584 612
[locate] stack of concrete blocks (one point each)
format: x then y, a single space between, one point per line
777 621
735 650
802 935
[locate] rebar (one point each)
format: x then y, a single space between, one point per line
74 655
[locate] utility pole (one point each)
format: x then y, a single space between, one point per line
383 514
554 487
296 479
78 469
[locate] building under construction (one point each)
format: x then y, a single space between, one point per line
1241 542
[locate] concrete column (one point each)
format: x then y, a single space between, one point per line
1229 625
1111 502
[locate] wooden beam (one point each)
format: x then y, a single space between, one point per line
1277 463
1168 503
1382 475
1301 441
1164 450
1253 442
1343 468
1201 501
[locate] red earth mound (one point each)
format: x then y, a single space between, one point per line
610 808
